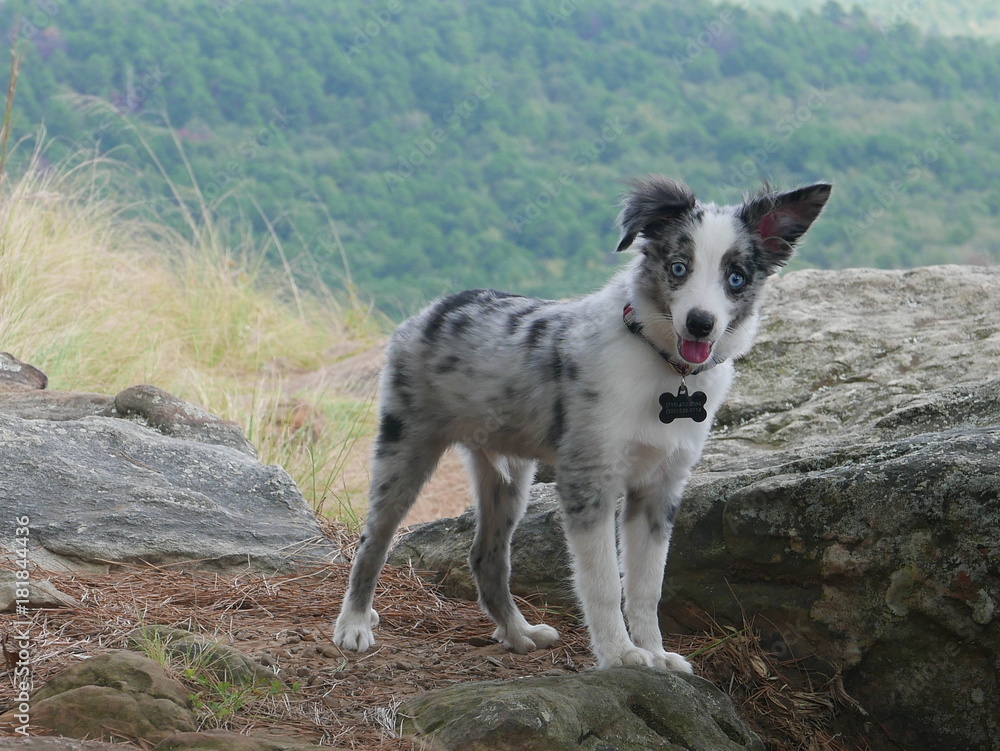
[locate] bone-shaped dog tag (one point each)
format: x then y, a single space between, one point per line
683 405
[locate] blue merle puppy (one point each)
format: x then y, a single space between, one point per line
617 390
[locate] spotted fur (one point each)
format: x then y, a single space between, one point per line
514 380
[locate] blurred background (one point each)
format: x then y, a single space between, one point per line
408 149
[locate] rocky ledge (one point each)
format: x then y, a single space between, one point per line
849 500
140 477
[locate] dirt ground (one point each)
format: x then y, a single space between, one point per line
425 641
331 696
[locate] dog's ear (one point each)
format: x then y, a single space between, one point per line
651 206
780 219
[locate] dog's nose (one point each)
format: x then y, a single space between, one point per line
700 323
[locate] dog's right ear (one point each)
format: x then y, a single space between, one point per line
651 206
780 219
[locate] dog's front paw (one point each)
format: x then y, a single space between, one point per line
528 639
542 636
354 631
630 655
663 660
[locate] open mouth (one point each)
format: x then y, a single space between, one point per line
695 352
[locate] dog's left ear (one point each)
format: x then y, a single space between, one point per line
651 206
780 220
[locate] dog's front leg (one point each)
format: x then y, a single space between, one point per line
648 520
589 501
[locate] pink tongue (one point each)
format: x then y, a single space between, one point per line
695 352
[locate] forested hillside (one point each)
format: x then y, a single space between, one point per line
956 17
451 144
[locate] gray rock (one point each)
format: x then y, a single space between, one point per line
41 593
839 351
180 419
849 498
125 671
56 405
147 405
622 709
876 557
99 489
19 376
117 695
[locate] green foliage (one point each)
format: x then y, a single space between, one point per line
219 701
483 144
218 694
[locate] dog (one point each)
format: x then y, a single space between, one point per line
616 389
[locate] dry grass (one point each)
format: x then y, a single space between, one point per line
791 708
426 642
101 302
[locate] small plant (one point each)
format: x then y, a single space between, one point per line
218 701
217 692
153 644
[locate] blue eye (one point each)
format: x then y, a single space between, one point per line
736 280
678 269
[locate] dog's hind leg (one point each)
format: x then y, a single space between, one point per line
502 498
648 521
400 467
